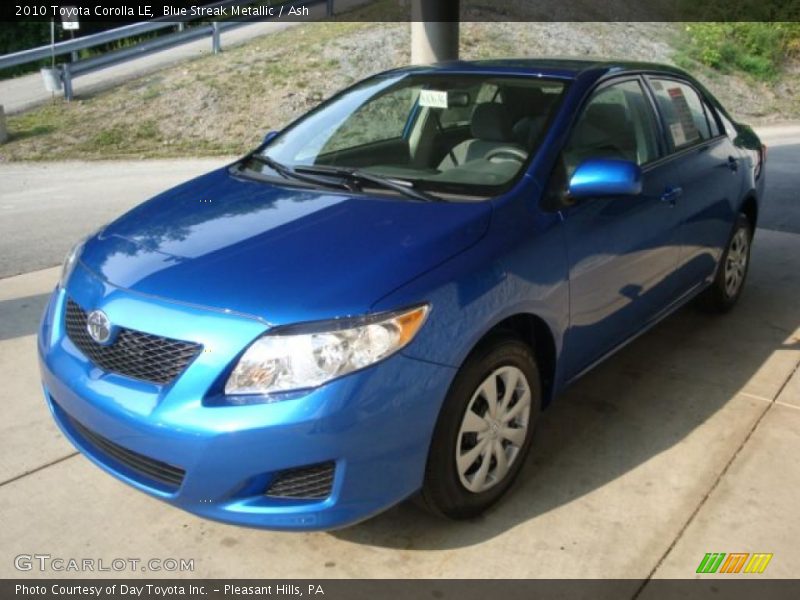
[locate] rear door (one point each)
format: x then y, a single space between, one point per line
707 166
622 250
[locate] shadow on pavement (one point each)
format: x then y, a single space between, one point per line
644 400
20 316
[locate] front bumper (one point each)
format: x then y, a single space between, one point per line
374 425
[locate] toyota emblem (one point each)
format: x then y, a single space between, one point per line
98 326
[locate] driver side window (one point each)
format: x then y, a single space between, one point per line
617 122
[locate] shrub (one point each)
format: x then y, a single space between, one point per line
758 48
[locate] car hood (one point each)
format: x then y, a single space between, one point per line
280 253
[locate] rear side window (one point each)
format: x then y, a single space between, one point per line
684 114
728 128
712 120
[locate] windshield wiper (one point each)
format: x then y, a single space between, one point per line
289 173
357 175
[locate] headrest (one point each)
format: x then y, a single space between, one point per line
524 101
491 122
604 124
607 116
526 129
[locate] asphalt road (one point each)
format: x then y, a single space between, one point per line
46 207
23 92
20 93
781 210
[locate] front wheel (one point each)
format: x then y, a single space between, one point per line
484 430
732 271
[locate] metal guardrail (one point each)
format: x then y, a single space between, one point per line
185 34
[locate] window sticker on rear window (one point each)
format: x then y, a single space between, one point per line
686 124
433 99
677 134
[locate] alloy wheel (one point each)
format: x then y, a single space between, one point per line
736 262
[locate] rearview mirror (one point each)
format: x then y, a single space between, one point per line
605 177
457 98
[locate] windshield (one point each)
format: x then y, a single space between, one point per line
464 134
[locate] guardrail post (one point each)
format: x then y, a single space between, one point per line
3 130
66 78
216 47
329 8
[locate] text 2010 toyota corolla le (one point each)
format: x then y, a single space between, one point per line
379 301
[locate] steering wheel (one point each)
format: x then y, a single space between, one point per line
507 152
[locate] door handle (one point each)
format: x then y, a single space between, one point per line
733 164
671 194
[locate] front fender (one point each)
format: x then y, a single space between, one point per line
520 267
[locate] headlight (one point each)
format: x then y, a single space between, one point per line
69 262
299 360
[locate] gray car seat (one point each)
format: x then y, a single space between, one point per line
604 132
491 129
531 109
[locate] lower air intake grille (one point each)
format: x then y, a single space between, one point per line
313 482
132 353
149 468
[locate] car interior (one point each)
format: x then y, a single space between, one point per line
484 136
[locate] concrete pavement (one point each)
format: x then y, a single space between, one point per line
684 443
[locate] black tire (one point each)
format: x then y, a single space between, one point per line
721 296
443 492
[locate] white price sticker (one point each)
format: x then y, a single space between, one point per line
678 137
433 98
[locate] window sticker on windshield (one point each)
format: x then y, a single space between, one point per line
433 99
684 113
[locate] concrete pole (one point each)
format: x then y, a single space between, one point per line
434 31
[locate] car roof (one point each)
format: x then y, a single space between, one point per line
563 68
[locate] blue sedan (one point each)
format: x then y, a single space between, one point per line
378 302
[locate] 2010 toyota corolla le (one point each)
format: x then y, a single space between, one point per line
378 302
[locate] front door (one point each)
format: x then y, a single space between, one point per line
622 251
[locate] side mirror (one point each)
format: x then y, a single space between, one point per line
605 177
268 138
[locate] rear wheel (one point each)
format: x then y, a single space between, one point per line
732 271
484 430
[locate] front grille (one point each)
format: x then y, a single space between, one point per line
312 482
149 468
132 353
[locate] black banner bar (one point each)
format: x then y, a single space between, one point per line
113 11
716 587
